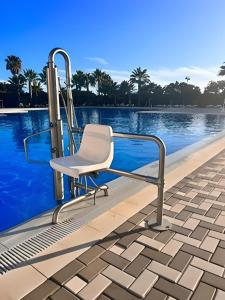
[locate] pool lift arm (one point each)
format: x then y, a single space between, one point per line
57 146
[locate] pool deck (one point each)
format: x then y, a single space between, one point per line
115 257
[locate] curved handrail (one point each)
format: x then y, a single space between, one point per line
26 150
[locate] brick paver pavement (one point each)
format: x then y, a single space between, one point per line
186 262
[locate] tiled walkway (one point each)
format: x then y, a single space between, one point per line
186 262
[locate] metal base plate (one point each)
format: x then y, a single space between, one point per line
152 223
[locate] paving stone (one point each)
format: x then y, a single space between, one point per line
137 218
211 226
181 230
173 289
93 269
68 272
191 277
124 228
118 276
205 206
63 294
214 280
187 240
177 208
195 210
147 232
172 247
199 233
103 297
220 220
91 254
183 215
132 251
128 239
219 257
148 209
172 201
212 213
204 291
164 236
116 292
109 241
94 288
75 284
136 267
157 255
220 295
169 213
219 206
164 271
217 235
209 244
150 242
207 266
143 283
42 292
155 295
184 198
203 218
115 260
180 261
196 251
191 223
116 249
197 200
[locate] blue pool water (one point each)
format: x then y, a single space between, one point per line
26 190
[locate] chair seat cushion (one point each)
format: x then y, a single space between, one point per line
75 166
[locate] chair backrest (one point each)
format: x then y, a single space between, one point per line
97 144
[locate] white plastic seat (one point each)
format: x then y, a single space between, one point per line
95 153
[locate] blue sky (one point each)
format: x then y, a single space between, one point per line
171 38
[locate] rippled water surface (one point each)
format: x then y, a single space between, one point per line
26 190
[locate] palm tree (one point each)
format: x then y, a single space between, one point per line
98 74
78 80
30 76
89 80
17 81
36 87
187 78
42 77
139 77
14 64
222 70
126 88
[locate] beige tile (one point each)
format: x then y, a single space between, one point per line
107 222
150 242
220 295
143 283
17 283
165 206
191 194
118 276
205 205
180 193
175 221
164 271
92 290
142 224
172 247
187 240
203 218
125 209
132 251
177 207
191 223
191 277
215 202
207 266
75 284
188 203
215 193
116 249
220 220
209 244
217 235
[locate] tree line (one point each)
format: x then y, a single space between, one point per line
98 88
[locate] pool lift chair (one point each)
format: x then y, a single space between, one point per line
93 154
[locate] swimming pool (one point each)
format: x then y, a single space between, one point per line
26 189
